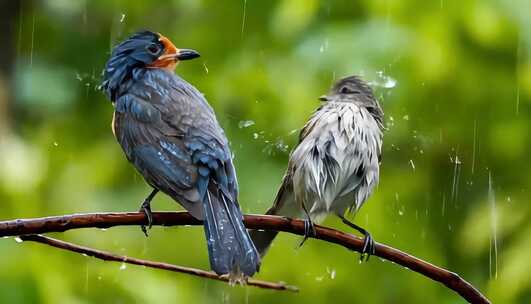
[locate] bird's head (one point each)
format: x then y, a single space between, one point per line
143 50
353 89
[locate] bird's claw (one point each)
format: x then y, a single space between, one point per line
309 231
368 248
146 208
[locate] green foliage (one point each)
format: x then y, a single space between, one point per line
454 79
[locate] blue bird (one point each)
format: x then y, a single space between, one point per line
170 133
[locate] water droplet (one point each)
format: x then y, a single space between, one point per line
122 18
56 144
123 266
205 67
383 81
412 164
405 117
245 124
18 239
294 131
332 273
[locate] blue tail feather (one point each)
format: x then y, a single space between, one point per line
230 248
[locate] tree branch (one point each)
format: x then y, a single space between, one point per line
107 256
349 241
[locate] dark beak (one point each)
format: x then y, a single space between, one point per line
186 54
323 98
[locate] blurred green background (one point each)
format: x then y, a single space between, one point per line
453 77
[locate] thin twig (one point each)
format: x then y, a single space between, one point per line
276 223
107 256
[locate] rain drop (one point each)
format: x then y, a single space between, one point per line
245 124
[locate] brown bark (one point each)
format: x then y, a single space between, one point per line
105 220
107 256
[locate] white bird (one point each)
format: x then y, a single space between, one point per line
335 166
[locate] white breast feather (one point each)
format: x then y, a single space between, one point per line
326 161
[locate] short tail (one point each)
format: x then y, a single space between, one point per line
230 248
284 204
262 239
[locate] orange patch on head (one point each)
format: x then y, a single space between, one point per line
169 47
166 60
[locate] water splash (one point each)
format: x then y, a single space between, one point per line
518 55
457 173
32 39
87 278
273 146
390 123
324 46
245 124
331 273
383 81
18 240
294 131
443 204
493 250
474 146
401 210
244 16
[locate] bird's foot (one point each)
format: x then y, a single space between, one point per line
146 208
368 248
309 231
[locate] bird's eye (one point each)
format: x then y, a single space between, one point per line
153 49
347 90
